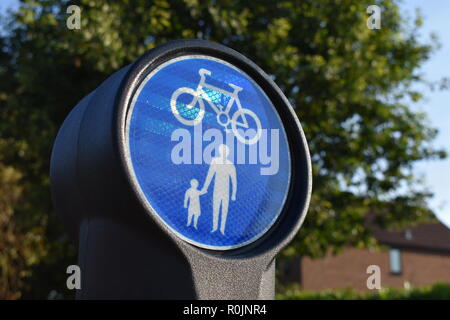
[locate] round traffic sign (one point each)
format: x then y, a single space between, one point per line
208 151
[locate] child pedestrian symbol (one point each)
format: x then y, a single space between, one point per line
192 203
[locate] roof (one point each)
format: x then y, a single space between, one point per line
430 237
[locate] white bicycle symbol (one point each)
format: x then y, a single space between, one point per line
237 121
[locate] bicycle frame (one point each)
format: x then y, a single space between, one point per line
223 118
201 94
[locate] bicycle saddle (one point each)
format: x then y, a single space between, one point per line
204 71
235 87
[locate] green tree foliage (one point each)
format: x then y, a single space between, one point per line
351 87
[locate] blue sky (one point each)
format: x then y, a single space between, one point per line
436 174
8 4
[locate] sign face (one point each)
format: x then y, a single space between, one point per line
208 152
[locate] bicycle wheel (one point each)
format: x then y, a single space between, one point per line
186 113
244 124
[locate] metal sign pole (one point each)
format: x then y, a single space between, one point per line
182 176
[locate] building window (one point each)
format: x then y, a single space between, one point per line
395 261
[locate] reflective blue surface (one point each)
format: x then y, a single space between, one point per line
171 143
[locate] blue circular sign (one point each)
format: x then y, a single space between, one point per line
208 151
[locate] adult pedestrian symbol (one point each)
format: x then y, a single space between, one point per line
208 152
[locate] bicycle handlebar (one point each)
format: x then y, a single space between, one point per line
202 72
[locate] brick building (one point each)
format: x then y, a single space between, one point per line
416 257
